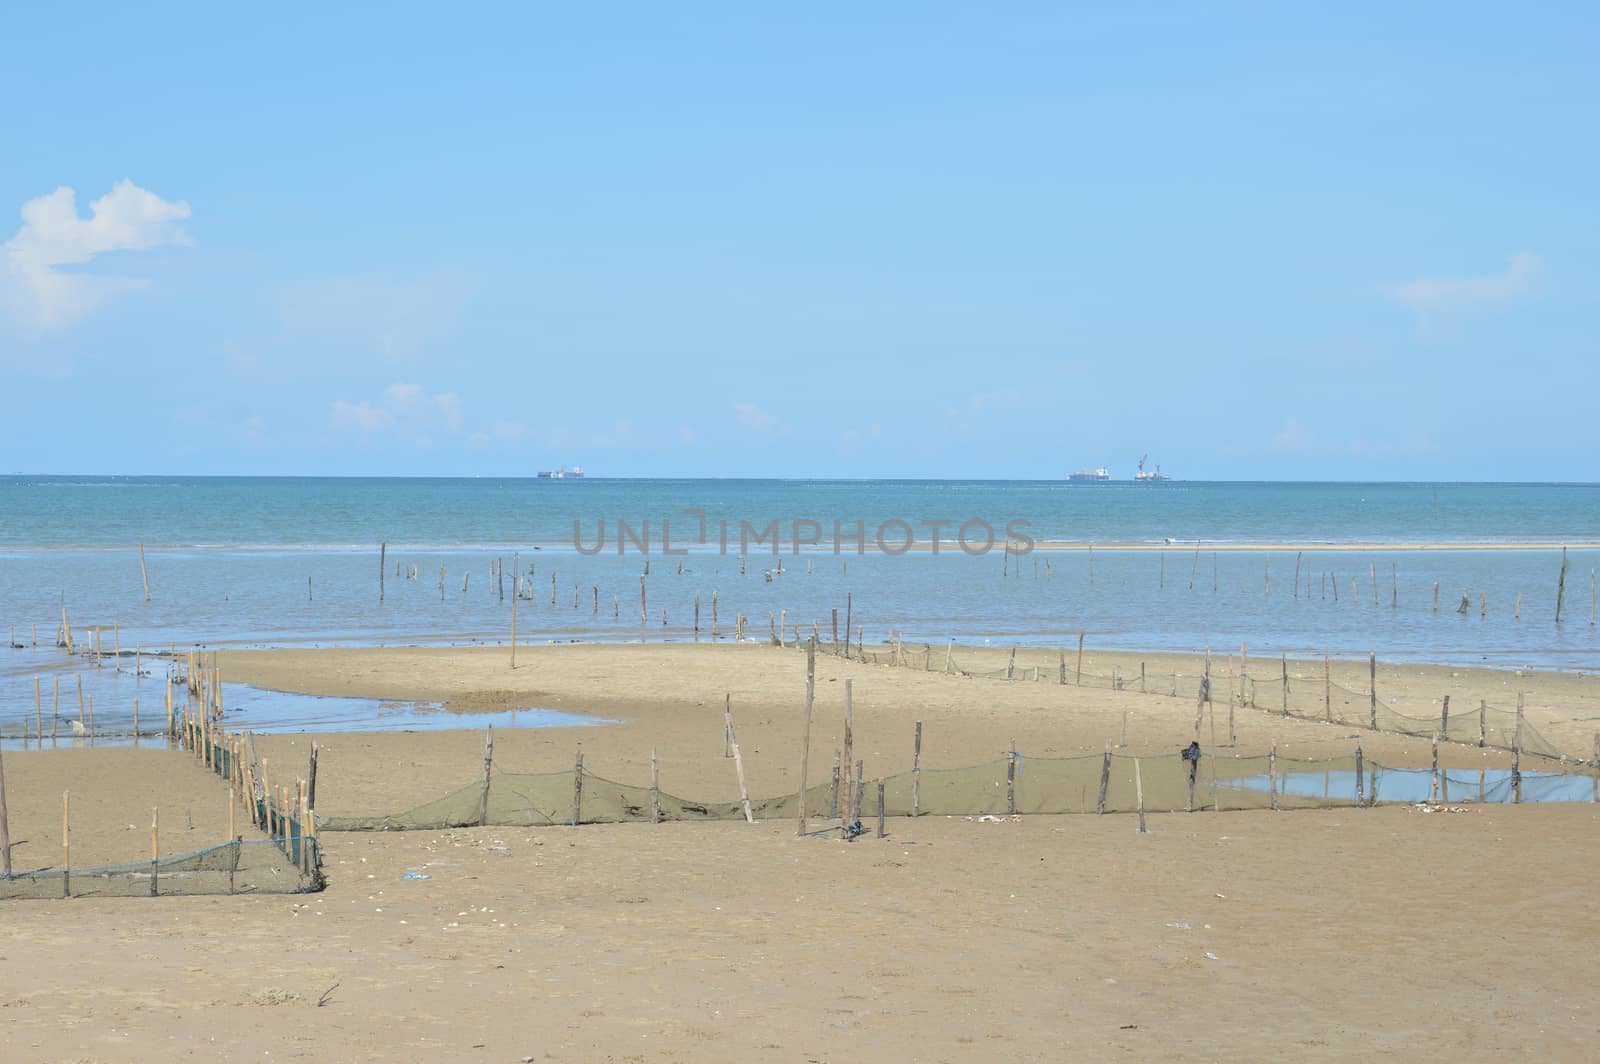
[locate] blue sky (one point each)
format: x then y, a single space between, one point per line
1345 241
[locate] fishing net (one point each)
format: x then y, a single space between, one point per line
1312 697
1010 785
239 867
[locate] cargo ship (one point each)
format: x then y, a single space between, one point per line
575 473
1091 474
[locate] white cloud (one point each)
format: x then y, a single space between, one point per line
361 416
128 218
401 394
751 416
404 407
1434 297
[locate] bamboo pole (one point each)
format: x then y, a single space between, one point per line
1080 660
155 849
882 831
738 767
383 552
805 740
514 598
1138 786
1433 786
1285 683
66 844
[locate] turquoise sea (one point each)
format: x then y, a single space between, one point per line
281 561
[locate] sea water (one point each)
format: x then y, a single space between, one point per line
296 561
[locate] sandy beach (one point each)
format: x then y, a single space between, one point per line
1330 934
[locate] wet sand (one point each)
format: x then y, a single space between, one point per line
1312 935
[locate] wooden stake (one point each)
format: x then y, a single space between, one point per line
514 597
144 573
916 771
881 828
1360 794
1483 721
1285 683
1080 659
383 552
1105 781
1436 596
577 790
155 849
805 739
1516 773
488 769
655 789
1297 573
1272 774
1433 786
1327 687
311 773
1372 682
1138 786
1011 780
849 739
1444 719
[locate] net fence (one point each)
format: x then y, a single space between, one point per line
239 867
1014 784
1309 697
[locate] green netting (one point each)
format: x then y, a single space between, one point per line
238 867
1011 785
1309 697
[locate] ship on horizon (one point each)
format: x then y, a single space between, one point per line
1102 473
1146 477
575 473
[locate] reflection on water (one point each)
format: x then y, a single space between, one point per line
1416 785
261 711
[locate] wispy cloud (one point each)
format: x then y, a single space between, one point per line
1435 297
405 408
36 292
751 416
